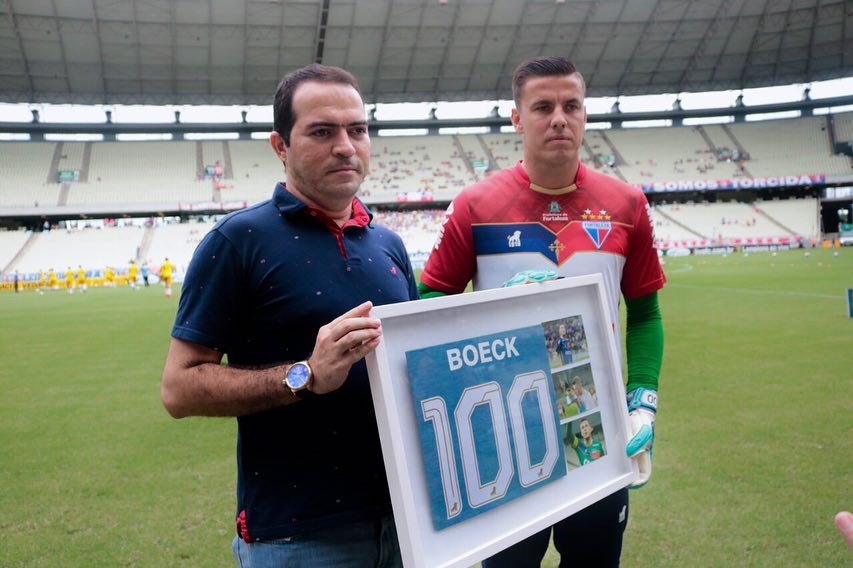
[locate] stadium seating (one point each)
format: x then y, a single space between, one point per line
789 147
844 127
801 216
668 229
92 248
10 243
142 172
256 170
666 154
418 229
177 242
24 171
722 220
429 164
475 151
505 148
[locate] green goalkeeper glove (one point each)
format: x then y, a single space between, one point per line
642 407
528 276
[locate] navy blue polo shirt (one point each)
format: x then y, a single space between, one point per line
258 288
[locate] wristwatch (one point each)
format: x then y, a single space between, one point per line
298 378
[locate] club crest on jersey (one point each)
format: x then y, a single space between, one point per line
555 213
597 226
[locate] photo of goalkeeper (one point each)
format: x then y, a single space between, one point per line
588 445
575 390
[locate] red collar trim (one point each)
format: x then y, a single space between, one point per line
358 218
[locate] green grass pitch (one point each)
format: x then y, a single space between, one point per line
753 456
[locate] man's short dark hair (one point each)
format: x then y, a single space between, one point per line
542 66
283 115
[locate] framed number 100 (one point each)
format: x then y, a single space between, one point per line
469 417
480 492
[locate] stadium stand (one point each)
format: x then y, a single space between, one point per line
723 220
717 135
128 173
666 154
256 169
428 164
11 243
844 127
799 216
92 248
789 147
24 171
668 229
418 229
142 172
475 151
505 149
177 242
213 152
71 156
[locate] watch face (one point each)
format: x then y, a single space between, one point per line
298 376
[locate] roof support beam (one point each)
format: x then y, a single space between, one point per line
61 41
320 36
414 49
443 63
13 21
97 25
377 69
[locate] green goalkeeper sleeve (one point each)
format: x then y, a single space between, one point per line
644 341
427 292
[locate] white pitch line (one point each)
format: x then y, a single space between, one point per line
685 268
759 292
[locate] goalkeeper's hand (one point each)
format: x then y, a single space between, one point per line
642 407
528 276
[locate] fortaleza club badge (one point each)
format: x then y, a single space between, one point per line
598 226
554 213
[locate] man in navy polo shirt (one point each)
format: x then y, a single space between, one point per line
284 288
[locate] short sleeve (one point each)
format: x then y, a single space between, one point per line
211 294
452 262
643 273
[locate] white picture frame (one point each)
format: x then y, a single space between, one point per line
422 325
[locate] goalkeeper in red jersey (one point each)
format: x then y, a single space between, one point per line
551 215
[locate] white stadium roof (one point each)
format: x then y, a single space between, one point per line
235 51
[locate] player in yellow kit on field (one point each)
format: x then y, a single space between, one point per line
166 276
52 280
132 271
109 277
42 281
81 278
69 280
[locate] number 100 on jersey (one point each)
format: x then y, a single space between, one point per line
488 421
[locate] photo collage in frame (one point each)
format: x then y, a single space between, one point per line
581 427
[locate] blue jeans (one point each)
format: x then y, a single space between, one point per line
370 543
